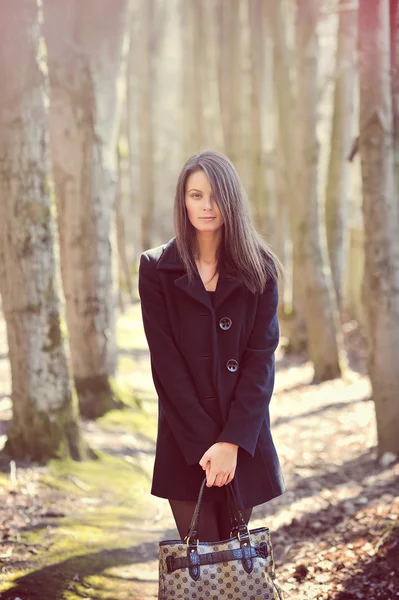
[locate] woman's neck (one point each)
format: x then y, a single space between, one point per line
208 243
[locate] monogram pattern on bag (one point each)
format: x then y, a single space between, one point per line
220 581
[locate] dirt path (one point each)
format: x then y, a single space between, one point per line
91 531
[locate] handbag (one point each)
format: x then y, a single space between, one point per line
232 569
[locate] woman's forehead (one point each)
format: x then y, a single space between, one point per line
198 180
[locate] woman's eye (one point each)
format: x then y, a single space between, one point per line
213 199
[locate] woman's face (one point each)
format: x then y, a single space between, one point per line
202 210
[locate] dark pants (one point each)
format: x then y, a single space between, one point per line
214 521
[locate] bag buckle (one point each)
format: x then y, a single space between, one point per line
187 540
239 538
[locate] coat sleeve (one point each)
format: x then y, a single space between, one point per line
195 431
255 384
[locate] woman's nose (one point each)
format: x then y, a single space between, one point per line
207 203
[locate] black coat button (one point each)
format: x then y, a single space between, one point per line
232 365
225 323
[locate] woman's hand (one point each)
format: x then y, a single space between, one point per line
219 462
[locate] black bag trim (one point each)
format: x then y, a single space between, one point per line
175 562
265 530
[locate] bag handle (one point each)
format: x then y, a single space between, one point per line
236 517
246 552
239 527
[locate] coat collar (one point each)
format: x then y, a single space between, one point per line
227 284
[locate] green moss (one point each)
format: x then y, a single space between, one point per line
63 328
141 422
123 148
62 485
101 475
4 481
112 478
96 550
125 394
90 548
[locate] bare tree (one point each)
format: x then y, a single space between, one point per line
324 336
381 218
338 170
125 279
210 52
193 76
288 163
146 60
84 43
45 420
394 19
230 72
262 143
132 111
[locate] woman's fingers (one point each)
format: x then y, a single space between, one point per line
219 479
230 478
210 476
221 462
214 478
204 460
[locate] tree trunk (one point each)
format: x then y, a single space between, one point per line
210 51
194 25
289 171
133 92
341 135
200 76
230 91
395 85
125 280
381 218
269 131
84 43
324 338
257 56
193 71
281 236
146 125
45 421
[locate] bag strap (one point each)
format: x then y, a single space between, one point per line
193 558
238 525
192 533
236 516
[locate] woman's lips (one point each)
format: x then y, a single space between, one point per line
207 218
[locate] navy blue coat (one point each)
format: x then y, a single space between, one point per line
213 370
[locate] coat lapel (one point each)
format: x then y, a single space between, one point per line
195 289
226 285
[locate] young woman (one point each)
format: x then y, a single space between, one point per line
209 306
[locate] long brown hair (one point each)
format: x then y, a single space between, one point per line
243 251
